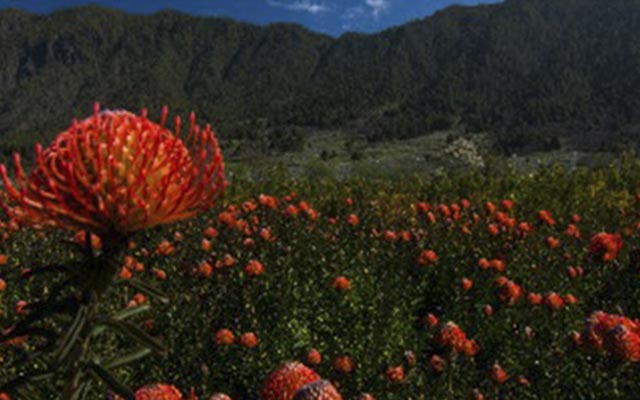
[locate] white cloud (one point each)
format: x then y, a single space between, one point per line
300 5
378 6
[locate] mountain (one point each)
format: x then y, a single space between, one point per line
524 70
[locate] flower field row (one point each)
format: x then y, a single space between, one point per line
493 285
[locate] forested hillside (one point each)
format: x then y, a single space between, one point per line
524 70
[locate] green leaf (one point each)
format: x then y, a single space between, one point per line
113 384
71 336
148 290
128 358
122 315
135 333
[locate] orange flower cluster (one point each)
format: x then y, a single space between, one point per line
427 257
605 246
615 334
115 173
451 336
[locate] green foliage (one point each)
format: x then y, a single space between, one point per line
293 307
534 69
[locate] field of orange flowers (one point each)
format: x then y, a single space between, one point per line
489 284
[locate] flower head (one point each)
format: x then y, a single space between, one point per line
115 173
284 382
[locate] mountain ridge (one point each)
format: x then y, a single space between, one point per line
524 70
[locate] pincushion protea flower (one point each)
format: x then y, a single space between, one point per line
616 334
318 390
155 391
115 173
283 383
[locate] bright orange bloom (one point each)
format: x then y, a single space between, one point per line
552 242
545 216
432 320
451 336
225 337
507 204
314 357
165 248
341 284
395 374
605 246
498 375
534 298
3 259
254 268
616 334
343 364
205 269
115 173
158 391
573 231
353 220
437 364
205 245
249 340
509 292
3 285
80 238
467 284
553 301
427 257
284 382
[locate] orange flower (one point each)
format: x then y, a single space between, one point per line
451 336
467 284
284 382
432 320
509 292
249 340
3 259
545 216
158 391
80 238
254 268
341 284
343 364
427 257
116 173
534 298
498 375
225 337
552 242
205 269
165 248
3 285
314 357
395 374
437 364
616 334
605 246
553 301
353 220
205 245
211 232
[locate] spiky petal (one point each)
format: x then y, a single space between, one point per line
283 383
115 173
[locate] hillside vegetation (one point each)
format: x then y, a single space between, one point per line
527 71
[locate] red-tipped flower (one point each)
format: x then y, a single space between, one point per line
117 172
283 383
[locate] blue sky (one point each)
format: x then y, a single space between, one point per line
328 16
